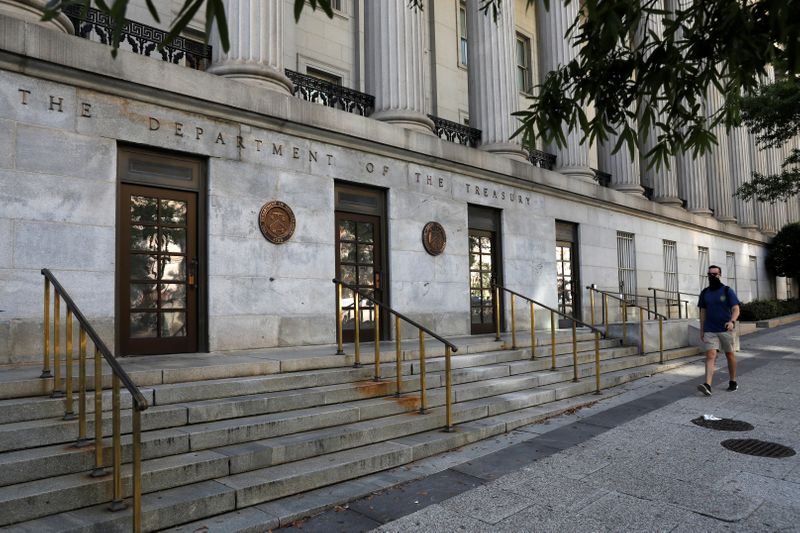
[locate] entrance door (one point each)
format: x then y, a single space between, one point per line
484 268
567 270
359 258
158 270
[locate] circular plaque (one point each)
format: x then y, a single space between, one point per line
276 221
434 239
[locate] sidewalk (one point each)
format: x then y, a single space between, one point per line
632 462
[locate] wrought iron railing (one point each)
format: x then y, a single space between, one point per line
542 159
449 347
139 38
455 132
553 312
672 299
331 95
119 376
625 303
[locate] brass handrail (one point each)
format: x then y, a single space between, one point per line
553 313
624 305
450 348
668 299
119 378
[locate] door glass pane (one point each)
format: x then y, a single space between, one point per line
349 275
347 252
173 212
347 231
144 296
486 262
173 240
143 209
365 253
173 267
144 266
144 238
476 315
365 276
173 295
486 244
173 324
365 232
144 325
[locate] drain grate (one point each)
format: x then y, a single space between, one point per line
726 424
759 448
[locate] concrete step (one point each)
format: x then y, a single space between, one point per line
255 486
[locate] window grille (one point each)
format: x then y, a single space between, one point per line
702 261
626 261
671 268
730 269
753 278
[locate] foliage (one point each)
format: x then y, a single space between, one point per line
766 309
773 114
783 252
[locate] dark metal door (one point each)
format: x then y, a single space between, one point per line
359 263
157 287
482 271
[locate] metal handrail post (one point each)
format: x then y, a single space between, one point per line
137 470
117 502
69 412
81 388
448 389
497 313
46 331
605 312
553 339
422 403
597 362
641 327
377 322
513 324
624 309
398 355
357 347
339 333
56 347
591 304
574 352
98 415
533 332
661 340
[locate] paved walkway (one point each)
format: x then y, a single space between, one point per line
633 462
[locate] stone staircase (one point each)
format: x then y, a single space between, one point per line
227 435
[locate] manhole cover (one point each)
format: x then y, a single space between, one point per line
759 448
726 424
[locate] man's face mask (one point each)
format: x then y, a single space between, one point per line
713 281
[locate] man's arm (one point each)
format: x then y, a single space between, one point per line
734 318
703 321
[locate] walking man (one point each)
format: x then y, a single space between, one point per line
719 309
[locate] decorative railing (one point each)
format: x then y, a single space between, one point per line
119 376
139 38
331 95
542 159
672 299
625 303
553 312
455 132
602 178
449 347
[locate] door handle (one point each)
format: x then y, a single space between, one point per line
192 281
377 280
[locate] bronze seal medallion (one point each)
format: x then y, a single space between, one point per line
434 239
276 221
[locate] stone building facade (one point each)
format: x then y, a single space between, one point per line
146 186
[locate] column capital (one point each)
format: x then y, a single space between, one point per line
32 11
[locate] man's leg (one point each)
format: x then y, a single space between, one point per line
711 358
731 356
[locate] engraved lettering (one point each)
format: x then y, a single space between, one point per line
417 174
239 142
385 169
259 142
494 193
330 159
295 152
441 183
528 200
467 188
24 93
86 109
486 191
430 179
519 198
198 131
370 168
312 156
503 195
219 140
477 190
56 102
277 149
178 129
154 124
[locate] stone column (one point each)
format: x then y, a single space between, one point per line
761 210
741 171
32 11
692 182
718 164
394 63
492 86
625 174
555 51
255 57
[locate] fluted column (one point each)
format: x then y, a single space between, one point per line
555 51
624 172
492 87
761 210
255 29
692 182
741 170
394 63
32 11
718 164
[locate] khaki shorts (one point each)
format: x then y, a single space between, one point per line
722 341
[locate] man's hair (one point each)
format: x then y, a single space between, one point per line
715 266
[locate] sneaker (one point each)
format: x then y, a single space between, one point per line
705 388
732 386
